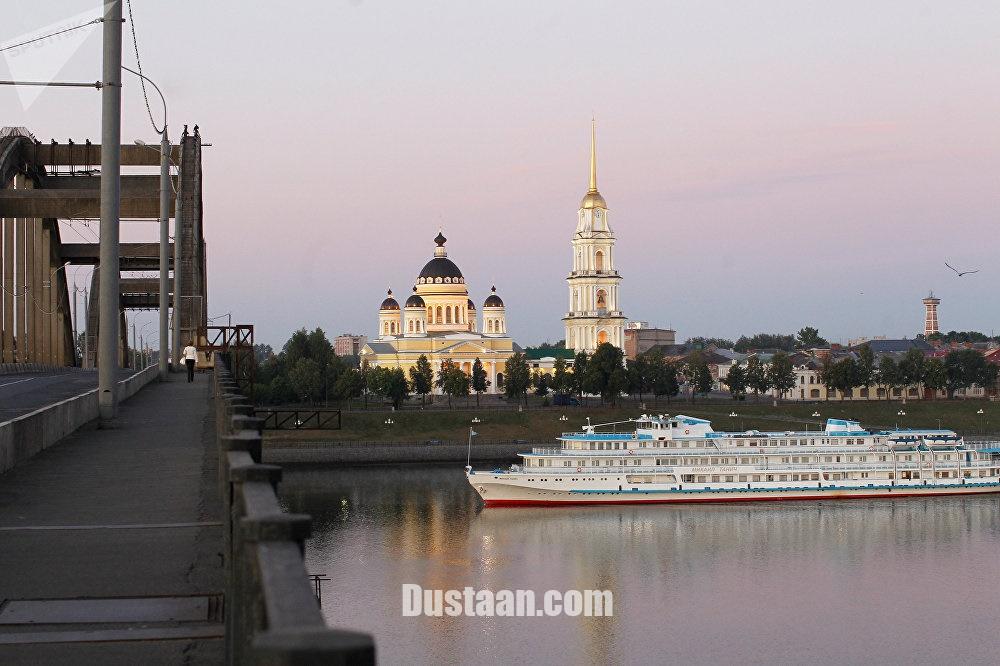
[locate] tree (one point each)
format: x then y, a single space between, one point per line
765 341
480 382
349 385
394 386
781 374
843 376
866 366
736 380
757 376
965 368
422 378
452 381
889 375
699 375
934 375
306 380
579 373
639 375
561 379
540 381
665 379
809 338
518 378
911 367
261 352
704 343
605 362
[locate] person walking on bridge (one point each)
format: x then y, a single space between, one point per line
190 356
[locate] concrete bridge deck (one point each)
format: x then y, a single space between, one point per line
128 512
25 392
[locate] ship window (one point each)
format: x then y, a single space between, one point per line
729 479
782 477
743 477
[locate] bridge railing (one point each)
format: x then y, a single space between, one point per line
272 615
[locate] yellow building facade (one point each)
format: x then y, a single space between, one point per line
440 321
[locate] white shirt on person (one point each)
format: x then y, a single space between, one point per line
190 353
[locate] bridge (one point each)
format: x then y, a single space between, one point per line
42 184
155 537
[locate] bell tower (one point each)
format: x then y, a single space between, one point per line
594 315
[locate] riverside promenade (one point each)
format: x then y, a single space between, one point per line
111 541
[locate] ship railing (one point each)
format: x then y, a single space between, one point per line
902 464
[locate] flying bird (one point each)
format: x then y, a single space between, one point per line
958 272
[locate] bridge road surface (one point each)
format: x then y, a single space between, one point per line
24 393
130 512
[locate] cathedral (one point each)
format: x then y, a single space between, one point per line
440 321
594 315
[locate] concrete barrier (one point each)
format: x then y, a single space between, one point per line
392 452
24 436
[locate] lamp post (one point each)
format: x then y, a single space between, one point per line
982 421
165 191
901 413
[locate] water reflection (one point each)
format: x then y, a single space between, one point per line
896 580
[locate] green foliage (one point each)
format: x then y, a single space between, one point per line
842 376
889 374
579 376
765 341
699 375
562 380
965 368
518 377
480 382
452 381
911 367
866 366
349 385
934 375
422 377
547 346
756 374
389 383
665 379
541 382
781 373
306 379
605 373
736 380
809 338
704 343
640 375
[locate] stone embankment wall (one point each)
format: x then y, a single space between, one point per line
286 451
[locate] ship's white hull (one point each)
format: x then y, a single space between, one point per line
510 493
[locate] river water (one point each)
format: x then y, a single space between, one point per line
848 582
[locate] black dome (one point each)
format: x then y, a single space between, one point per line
414 301
472 306
440 267
389 303
493 301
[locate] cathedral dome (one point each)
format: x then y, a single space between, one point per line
414 301
389 303
471 306
440 266
493 301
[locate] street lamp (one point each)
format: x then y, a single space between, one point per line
389 421
476 419
982 421
563 418
165 190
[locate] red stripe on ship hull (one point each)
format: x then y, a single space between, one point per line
725 500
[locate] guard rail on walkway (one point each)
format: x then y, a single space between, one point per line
272 616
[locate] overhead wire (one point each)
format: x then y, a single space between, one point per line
52 34
138 62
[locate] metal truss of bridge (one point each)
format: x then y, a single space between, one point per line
42 184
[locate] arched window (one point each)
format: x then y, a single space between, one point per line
489 325
439 317
602 337
447 314
602 299
599 261
499 380
430 314
385 328
410 326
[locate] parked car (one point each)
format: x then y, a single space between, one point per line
564 401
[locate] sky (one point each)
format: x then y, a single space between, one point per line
767 165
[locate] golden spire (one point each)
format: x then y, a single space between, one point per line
593 155
593 198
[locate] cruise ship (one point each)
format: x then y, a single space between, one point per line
681 459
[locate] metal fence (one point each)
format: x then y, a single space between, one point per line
272 614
